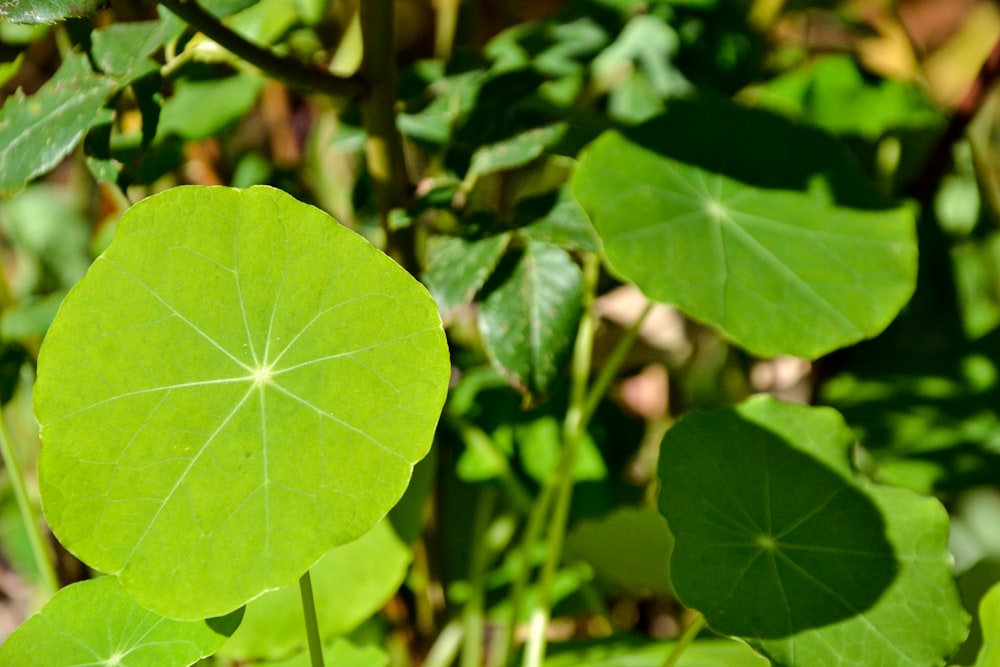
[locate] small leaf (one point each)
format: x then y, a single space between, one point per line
457 268
557 219
760 227
528 317
350 583
200 109
46 11
517 150
236 386
95 622
37 132
122 50
778 542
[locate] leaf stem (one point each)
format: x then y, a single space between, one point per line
573 429
39 550
697 625
312 626
384 148
472 613
292 71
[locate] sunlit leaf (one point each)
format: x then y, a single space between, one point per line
778 542
95 622
237 385
745 221
46 11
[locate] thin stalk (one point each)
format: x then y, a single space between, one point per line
292 71
573 430
697 625
446 20
612 365
39 550
472 613
446 646
384 148
312 626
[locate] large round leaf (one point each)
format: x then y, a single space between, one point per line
748 222
237 385
95 622
778 542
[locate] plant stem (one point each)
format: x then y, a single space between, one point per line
39 550
292 71
384 149
446 15
312 626
697 624
472 613
573 430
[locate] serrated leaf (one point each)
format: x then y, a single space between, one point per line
236 386
630 548
350 583
122 50
95 622
528 317
37 132
46 11
458 268
778 542
748 222
517 150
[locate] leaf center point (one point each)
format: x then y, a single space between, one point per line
261 375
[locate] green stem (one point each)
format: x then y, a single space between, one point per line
612 365
384 148
292 71
444 29
472 614
312 626
573 430
39 550
697 625
446 646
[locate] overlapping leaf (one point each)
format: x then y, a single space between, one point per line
237 385
750 223
778 542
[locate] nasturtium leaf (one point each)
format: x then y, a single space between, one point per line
338 653
37 132
458 268
529 313
778 542
350 583
629 547
46 11
989 618
236 386
635 652
95 623
750 223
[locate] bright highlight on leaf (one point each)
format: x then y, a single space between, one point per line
778 542
760 228
237 385
95 623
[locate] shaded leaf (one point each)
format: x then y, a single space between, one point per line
745 221
350 583
778 542
200 109
517 150
122 50
528 317
37 132
95 622
251 386
457 268
557 219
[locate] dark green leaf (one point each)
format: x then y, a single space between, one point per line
777 541
200 109
516 151
528 317
557 219
122 50
760 227
46 11
37 132
458 268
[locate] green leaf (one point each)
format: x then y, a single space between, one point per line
557 219
517 150
9 69
778 542
46 11
759 227
350 583
989 617
635 652
37 132
340 653
238 385
630 548
528 317
122 50
457 268
95 622
200 109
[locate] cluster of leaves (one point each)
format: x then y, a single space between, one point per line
234 397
